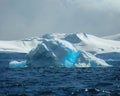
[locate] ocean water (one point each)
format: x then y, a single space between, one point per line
59 81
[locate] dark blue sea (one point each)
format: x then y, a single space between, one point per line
59 81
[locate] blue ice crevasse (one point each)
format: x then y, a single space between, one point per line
70 59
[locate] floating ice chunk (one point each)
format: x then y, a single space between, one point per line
17 64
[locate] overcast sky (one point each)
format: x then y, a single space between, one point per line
26 18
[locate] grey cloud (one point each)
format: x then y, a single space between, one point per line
25 18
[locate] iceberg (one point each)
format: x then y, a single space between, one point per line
60 53
54 52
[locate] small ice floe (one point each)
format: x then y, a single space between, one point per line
17 64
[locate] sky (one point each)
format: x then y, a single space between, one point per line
21 19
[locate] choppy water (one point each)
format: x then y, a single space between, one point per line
59 81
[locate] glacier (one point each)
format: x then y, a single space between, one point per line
82 41
60 53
